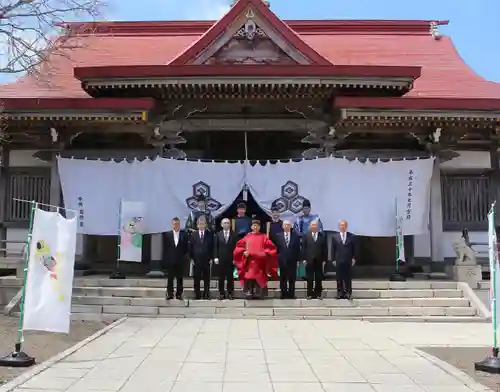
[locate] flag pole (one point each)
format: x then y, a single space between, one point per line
117 273
397 276
491 364
19 358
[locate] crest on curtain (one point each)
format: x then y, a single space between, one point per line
290 199
203 189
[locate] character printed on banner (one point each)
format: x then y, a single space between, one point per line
241 225
132 232
304 220
201 210
44 256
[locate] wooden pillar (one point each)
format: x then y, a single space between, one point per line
55 184
4 202
436 215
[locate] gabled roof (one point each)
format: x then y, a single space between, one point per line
343 42
237 16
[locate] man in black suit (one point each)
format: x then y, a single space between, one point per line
288 244
224 243
314 254
344 251
201 248
175 247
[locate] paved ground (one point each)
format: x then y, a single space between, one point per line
220 355
41 345
463 358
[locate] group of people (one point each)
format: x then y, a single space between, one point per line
256 253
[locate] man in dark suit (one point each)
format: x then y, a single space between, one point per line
175 247
314 254
344 249
201 248
288 244
224 244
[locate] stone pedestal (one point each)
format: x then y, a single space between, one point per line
470 274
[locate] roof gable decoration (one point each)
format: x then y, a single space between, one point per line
250 33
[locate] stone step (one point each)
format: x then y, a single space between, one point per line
151 292
299 303
327 284
284 312
109 318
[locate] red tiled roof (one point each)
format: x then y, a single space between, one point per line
388 43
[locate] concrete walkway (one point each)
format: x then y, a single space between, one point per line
221 355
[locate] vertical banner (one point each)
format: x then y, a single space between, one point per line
400 239
49 283
494 271
131 230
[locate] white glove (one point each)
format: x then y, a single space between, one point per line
216 261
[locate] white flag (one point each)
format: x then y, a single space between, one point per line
131 230
49 285
400 239
494 267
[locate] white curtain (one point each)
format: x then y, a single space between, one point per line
166 187
364 194
288 184
220 183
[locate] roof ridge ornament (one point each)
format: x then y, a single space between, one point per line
434 30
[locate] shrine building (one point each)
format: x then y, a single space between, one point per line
251 85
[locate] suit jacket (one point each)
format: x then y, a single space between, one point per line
222 250
291 253
172 253
344 253
201 251
314 251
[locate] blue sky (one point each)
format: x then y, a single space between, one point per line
474 24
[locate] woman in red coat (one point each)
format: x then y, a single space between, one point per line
255 257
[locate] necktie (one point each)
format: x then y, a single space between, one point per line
287 239
343 238
226 236
201 235
315 236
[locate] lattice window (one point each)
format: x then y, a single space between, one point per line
465 200
26 184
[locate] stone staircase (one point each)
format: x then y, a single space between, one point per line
438 301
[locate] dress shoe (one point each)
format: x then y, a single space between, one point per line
309 297
198 296
221 297
230 296
349 297
283 296
179 297
169 297
206 296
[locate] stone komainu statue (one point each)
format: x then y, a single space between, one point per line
465 254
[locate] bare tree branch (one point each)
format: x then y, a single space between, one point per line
33 30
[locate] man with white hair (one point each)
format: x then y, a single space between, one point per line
344 251
315 253
288 244
224 243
